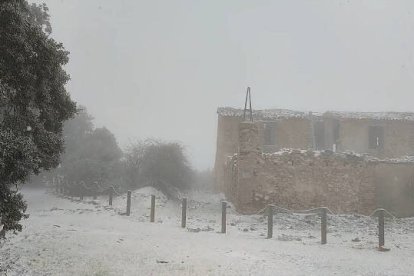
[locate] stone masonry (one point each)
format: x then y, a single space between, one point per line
287 158
298 179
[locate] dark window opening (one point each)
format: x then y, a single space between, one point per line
270 133
319 128
376 137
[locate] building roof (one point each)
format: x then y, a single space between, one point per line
272 114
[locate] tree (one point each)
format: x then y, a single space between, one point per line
158 164
76 130
92 155
33 102
134 157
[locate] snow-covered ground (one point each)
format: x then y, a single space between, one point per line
69 237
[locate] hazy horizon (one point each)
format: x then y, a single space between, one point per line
161 68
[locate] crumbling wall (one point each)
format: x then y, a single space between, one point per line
305 179
297 179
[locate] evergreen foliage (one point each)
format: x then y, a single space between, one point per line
33 102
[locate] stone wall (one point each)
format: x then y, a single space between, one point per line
303 179
252 179
298 179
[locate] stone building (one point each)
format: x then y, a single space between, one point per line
348 161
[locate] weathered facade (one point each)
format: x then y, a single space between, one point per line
253 170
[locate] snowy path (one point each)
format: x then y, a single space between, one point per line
64 237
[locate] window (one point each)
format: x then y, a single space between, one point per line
270 133
376 137
319 129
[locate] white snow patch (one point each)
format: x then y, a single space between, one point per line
69 237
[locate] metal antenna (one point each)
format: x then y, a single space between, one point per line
248 98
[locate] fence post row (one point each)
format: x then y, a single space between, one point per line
269 221
184 213
323 225
128 209
381 239
223 216
152 216
270 211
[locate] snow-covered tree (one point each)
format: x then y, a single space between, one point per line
158 164
33 102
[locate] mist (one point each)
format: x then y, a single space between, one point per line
161 68
145 163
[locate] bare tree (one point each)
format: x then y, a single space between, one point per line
158 164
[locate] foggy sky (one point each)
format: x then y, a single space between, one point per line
161 68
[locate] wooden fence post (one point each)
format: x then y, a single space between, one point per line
381 239
184 213
111 193
152 216
223 216
95 196
323 224
54 183
269 221
128 209
81 196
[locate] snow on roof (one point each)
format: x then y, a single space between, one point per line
269 114
262 114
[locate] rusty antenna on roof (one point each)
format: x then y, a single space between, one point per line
248 98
